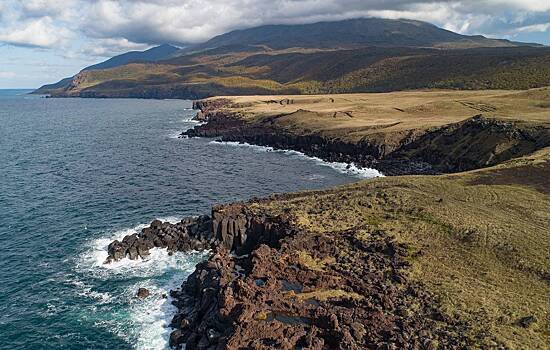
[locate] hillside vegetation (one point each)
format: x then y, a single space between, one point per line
363 55
477 242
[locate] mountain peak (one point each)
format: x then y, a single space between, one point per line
350 33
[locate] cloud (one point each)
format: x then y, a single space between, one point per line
191 21
62 10
110 47
543 27
35 33
105 27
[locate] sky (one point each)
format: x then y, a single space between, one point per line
42 41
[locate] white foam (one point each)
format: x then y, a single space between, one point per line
153 315
176 134
345 168
96 254
143 322
192 120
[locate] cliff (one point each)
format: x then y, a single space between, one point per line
427 133
453 261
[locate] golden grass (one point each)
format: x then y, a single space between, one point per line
478 240
323 295
379 115
314 264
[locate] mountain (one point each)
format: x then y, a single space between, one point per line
154 54
351 33
151 55
359 55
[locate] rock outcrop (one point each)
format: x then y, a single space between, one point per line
269 286
188 234
143 293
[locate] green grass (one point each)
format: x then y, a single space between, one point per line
329 71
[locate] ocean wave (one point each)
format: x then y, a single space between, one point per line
176 134
345 168
152 316
141 322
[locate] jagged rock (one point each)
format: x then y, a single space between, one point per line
527 321
222 305
188 234
175 338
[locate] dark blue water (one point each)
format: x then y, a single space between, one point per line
77 173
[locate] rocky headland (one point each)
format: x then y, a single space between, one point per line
397 133
454 261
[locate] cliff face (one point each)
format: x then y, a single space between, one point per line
470 144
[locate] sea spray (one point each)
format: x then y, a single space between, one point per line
141 322
345 168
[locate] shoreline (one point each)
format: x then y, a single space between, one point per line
273 280
344 168
409 150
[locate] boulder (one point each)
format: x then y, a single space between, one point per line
143 293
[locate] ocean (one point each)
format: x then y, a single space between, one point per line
76 174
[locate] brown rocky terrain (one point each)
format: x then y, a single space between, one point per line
450 261
455 261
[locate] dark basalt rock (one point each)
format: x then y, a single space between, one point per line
527 321
188 234
222 305
255 292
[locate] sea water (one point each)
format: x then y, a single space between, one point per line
76 174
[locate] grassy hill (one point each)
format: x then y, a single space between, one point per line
319 71
360 55
151 55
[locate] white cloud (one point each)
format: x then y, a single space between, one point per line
524 5
105 27
110 47
36 32
543 27
188 21
63 10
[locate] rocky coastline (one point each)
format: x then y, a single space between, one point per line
186 235
272 283
415 152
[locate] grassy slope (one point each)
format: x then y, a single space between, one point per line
478 241
310 71
387 117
